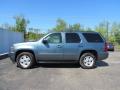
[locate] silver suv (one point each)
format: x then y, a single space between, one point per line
82 47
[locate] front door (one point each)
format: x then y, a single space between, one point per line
53 48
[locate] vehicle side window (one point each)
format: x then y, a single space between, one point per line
72 38
93 37
54 38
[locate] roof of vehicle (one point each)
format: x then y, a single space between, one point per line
79 32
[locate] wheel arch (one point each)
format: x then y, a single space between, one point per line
94 52
24 50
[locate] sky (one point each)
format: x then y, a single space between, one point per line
44 13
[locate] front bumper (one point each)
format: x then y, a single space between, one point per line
12 56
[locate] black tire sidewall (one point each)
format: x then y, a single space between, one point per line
30 56
82 63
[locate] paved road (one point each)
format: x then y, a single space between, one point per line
106 76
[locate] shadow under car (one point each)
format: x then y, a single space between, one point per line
68 65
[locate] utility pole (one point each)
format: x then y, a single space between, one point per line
107 28
24 35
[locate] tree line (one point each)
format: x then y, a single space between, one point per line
110 31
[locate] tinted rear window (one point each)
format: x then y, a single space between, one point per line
93 37
72 38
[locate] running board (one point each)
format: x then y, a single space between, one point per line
57 61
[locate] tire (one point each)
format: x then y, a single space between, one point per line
87 61
25 60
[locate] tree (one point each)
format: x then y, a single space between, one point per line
115 32
61 26
21 24
34 34
102 28
74 27
89 29
7 26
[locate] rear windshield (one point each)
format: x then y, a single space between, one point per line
93 37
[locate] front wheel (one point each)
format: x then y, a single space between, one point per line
87 61
25 60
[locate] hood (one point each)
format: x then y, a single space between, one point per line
24 43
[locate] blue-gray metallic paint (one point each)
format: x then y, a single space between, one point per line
61 51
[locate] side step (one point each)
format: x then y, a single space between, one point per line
57 61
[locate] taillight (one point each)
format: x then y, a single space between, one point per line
105 47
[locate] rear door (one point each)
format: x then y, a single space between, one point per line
71 46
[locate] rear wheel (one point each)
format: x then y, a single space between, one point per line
87 61
25 60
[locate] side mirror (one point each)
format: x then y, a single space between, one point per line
44 41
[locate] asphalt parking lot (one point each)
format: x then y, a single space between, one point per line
106 76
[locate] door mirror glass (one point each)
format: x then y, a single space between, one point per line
44 41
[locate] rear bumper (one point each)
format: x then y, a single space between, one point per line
110 49
103 55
